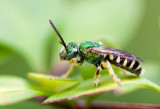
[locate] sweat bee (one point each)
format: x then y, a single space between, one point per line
100 56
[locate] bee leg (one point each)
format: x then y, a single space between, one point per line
96 76
69 70
75 63
123 71
112 74
73 60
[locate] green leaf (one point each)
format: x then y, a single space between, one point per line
52 83
14 89
86 88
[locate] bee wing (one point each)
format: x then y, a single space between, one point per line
113 51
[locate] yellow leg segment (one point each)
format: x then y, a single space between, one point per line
96 76
73 60
112 74
69 71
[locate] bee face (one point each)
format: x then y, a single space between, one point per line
71 52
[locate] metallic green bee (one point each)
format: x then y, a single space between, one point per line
100 56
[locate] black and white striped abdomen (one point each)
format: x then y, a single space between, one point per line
127 64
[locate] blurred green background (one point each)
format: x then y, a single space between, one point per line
29 44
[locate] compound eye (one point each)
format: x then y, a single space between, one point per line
63 53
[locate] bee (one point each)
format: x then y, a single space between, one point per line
100 56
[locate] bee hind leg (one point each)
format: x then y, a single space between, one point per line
112 74
96 75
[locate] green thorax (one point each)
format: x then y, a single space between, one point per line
90 57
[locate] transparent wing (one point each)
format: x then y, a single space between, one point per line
115 52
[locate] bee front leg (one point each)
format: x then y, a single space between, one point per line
96 75
69 71
75 63
112 74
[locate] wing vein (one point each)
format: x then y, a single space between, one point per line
113 51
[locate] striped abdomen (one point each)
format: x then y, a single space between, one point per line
127 64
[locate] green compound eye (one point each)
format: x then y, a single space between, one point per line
72 52
100 56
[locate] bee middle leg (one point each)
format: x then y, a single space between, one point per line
96 75
112 74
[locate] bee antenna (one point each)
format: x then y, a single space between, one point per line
62 41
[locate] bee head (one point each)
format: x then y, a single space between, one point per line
71 51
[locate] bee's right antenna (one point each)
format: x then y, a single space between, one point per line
62 41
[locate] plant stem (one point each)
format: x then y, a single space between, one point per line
102 105
106 105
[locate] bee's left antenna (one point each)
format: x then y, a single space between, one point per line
62 41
